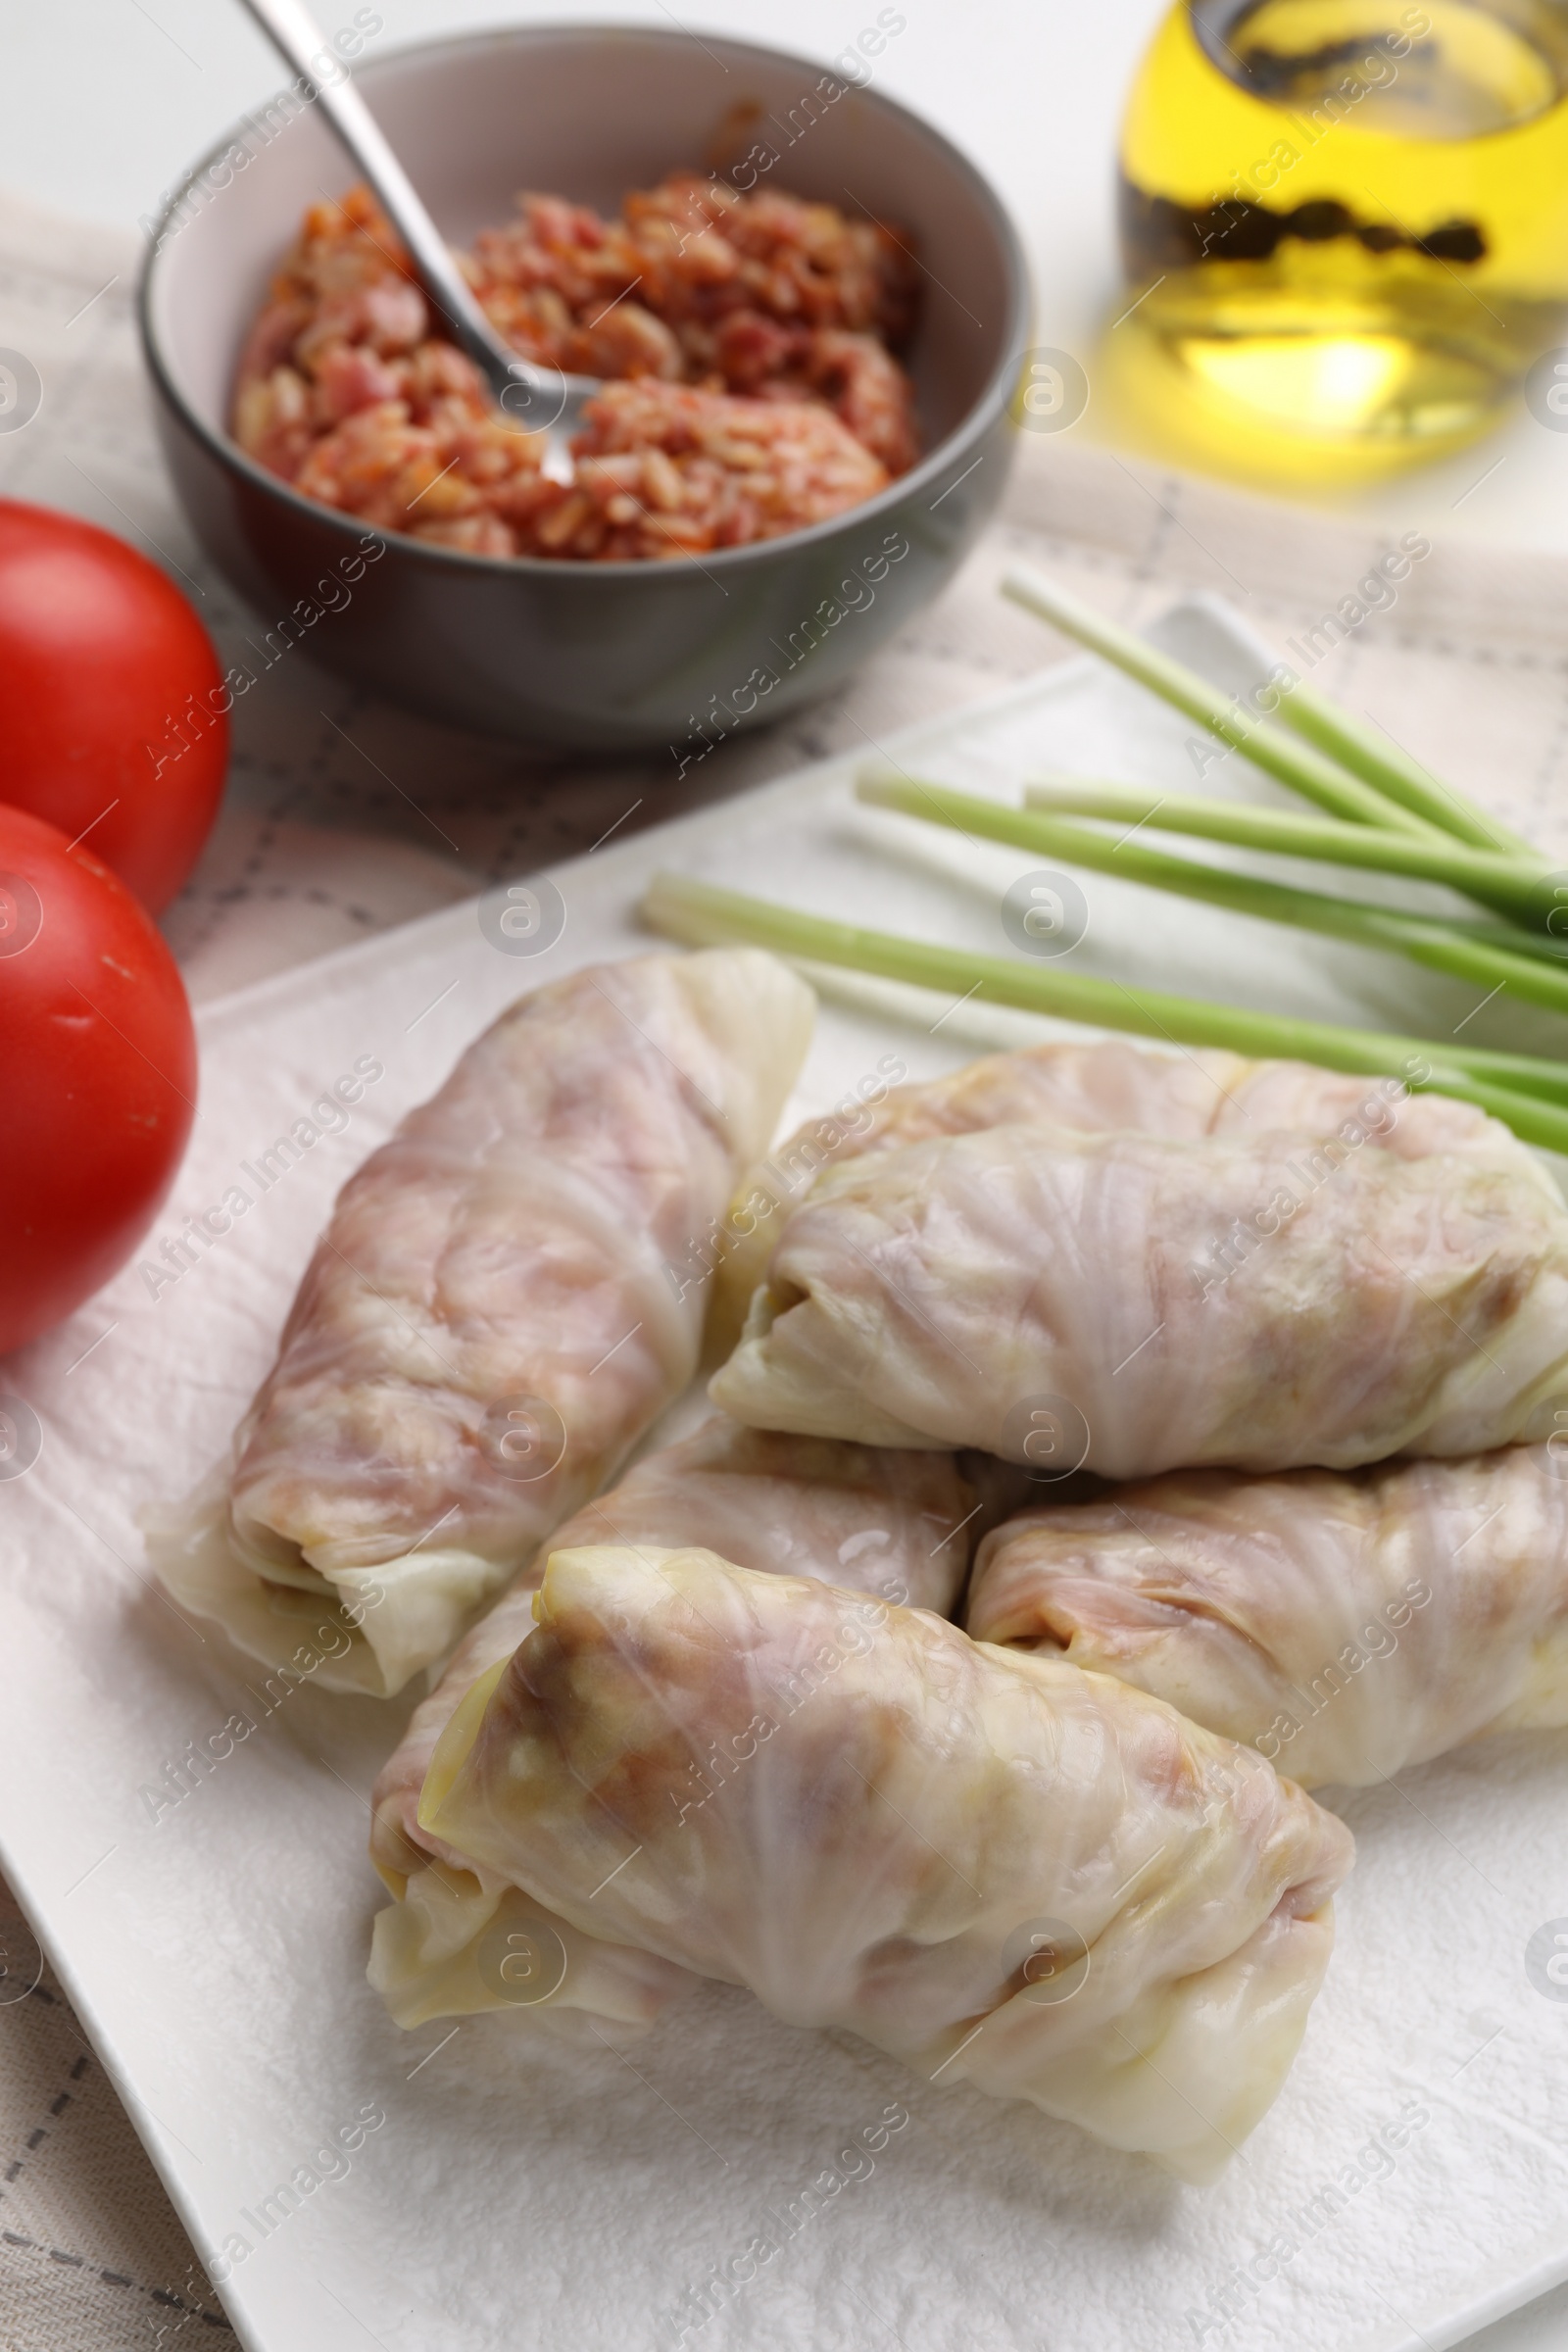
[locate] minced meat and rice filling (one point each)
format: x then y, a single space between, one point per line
747 344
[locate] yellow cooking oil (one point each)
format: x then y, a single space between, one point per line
1345 222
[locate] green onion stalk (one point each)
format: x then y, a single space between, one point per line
1352 771
1528 895
1447 948
1530 1095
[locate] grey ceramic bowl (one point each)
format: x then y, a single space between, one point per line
602 656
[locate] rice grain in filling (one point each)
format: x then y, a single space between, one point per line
747 342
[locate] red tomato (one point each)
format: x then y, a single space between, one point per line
116 711
97 1073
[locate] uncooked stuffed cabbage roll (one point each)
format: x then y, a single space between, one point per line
1345 1627
488 1325
897 1526
999 1869
1254 1301
1092 1090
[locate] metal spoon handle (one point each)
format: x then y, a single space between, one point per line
290 26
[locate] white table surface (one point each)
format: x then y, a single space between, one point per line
103 102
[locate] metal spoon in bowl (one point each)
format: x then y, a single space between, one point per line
535 399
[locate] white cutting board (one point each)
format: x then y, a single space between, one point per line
521 2193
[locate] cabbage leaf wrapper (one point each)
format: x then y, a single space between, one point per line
999 1869
1343 1627
490 1322
1098 1088
1257 1303
897 1526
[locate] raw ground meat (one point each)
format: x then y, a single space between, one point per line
748 343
